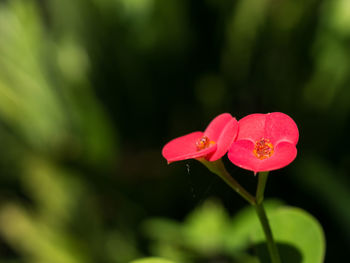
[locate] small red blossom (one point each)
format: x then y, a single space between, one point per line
265 142
211 144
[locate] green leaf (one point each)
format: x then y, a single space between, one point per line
299 236
238 237
163 230
208 231
205 228
152 260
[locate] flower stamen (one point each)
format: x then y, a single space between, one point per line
204 143
263 149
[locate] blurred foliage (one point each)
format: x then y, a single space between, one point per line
152 260
208 234
90 90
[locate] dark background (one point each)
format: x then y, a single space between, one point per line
90 91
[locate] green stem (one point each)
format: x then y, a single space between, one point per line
261 186
218 168
271 245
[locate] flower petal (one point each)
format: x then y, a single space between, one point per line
281 127
224 137
215 127
184 147
252 127
241 154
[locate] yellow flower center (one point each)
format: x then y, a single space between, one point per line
204 143
263 149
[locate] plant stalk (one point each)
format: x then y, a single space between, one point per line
218 168
259 208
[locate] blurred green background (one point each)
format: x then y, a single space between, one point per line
91 90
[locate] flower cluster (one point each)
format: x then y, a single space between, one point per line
257 142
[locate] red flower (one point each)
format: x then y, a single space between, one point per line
211 145
265 142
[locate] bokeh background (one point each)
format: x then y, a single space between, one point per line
91 90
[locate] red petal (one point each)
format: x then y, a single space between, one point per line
223 129
274 126
215 127
183 148
252 127
241 154
281 127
